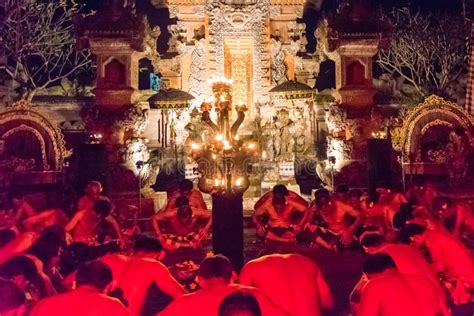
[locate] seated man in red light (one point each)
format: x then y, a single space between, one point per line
22 208
189 226
460 214
336 221
408 259
137 273
280 211
216 278
280 189
187 190
93 225
92 193
93 283
294 281
391 293
450 260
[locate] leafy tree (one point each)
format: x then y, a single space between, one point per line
38 42
430 52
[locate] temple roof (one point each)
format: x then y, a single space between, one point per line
292 90
114 19
170 99
358 21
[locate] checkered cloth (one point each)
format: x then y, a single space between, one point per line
178 241
461 289
470 79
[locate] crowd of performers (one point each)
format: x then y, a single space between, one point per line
99 261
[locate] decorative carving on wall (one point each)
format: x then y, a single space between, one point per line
278 66
151 48
198 86
23 111
234 21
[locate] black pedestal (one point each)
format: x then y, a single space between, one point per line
227 228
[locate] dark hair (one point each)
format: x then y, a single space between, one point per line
48 245
322 200
371 240
239 301
147 244
180 201
342 188
378 262
6 235
186 185
400 219
217 266
11 296
102 208
321 192
94 273
280 189
184 211
21 265
406 207
278 199
18 265
411 230
355 193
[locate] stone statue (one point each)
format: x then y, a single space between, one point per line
456 154
284 141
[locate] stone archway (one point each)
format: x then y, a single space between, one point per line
426 128
22 121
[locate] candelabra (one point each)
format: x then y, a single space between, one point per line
225 159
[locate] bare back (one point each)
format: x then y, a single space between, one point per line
285 278
135 276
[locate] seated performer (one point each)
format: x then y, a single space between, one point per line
450 260
184 226
335 221
294 281
459 214
135 274
22 208
216 278
92 193
280 189
89 225
93 283
408 259
280 211
186 189
390 292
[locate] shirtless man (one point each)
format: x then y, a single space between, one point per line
216 278
408 259
450 260
292 280
86 223
279 211
460 213
280 189
334 213
186 188
23 209
135 274
14 244
93 282
92 193
390 292
183 220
